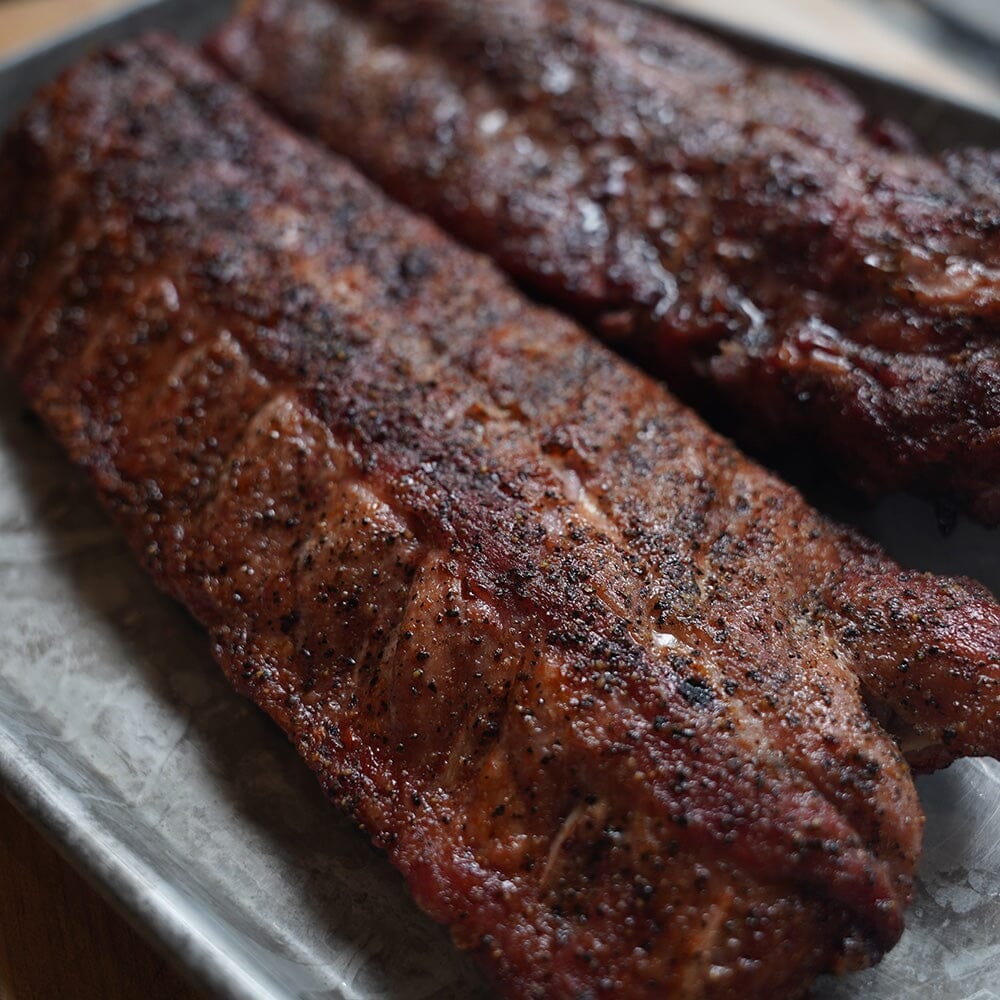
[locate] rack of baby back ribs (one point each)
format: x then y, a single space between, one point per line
629 715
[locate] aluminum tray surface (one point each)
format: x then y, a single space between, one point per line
121 740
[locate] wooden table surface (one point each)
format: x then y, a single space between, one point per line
58 938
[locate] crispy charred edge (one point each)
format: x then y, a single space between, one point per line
104 474
930 424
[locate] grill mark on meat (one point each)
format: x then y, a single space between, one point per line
397 540
746 232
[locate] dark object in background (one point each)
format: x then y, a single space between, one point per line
747 232
979 19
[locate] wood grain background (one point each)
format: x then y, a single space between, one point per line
59 940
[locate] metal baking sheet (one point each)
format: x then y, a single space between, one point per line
190 811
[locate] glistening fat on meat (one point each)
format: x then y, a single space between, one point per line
746 231
592 678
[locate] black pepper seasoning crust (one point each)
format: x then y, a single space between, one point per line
325 448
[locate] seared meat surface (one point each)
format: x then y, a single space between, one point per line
586 673
744 231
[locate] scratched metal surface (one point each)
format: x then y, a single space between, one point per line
120 739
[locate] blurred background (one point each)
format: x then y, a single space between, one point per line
952 46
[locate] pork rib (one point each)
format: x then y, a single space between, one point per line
746 232
584 671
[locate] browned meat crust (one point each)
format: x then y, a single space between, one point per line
744 231
584 671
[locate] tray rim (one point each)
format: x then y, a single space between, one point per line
120 876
